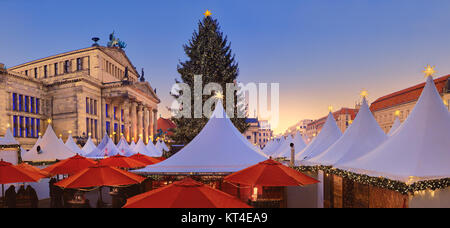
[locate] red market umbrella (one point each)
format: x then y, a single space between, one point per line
270 173
144 159
100 175
70 166
33 169
13 174
186 193
122 162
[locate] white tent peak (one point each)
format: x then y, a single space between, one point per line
8 139
88 147
124 148
419 149
361 137
105 148
299 145
51 148
395 126
216 149
142 149
329 134
73 146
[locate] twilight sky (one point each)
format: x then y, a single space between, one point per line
321 52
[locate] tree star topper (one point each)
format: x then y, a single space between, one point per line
330 108
207 13
429 71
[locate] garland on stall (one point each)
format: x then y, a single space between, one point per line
382 182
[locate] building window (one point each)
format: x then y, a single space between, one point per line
91 105
20 102
26 72
21 126
14 101
106 110
92 126
95 107
32 127
26 104
249 136
79 64
116 128
95 128
122 129
27 127
66 66
38 127
32 104
56 68
35 72
108 128
45 71
15 126
114 112
87 126
87 105
121 115
37 105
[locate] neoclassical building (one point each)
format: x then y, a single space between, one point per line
91 91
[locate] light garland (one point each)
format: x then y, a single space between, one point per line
382 182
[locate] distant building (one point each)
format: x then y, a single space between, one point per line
88 91
258 132
403 101
301 127
344 118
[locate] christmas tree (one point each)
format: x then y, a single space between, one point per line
209 54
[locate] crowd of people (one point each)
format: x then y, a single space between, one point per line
23 198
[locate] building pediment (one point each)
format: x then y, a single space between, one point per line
146 88
120 56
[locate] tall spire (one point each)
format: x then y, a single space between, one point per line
142 79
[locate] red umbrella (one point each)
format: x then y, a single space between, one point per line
186 193
122 162
270 173
100 175
34 169
144 159
70 166
13 174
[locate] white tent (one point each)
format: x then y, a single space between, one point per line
216 149
299 145
142 149
73 146
151 147
329 134
395 126
361 137
283 147
159 146
132 145
105 148
51 148
88 147
124 148
8 139
419 150
272 147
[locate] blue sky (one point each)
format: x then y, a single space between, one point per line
321 52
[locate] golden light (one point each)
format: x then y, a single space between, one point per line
60 135
364 93
8 125
397 113
350 122
429 71
70 132
207 13
219 95
39 133
114 133
89 134
445 103
314 135
110 135
330 108
49 121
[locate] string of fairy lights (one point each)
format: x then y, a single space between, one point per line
381 182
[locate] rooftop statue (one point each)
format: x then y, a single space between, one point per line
115 42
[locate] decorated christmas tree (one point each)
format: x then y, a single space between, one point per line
209 54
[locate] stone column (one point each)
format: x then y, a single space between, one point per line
133 121
146 123
126 120
102 118
140 114
155 120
